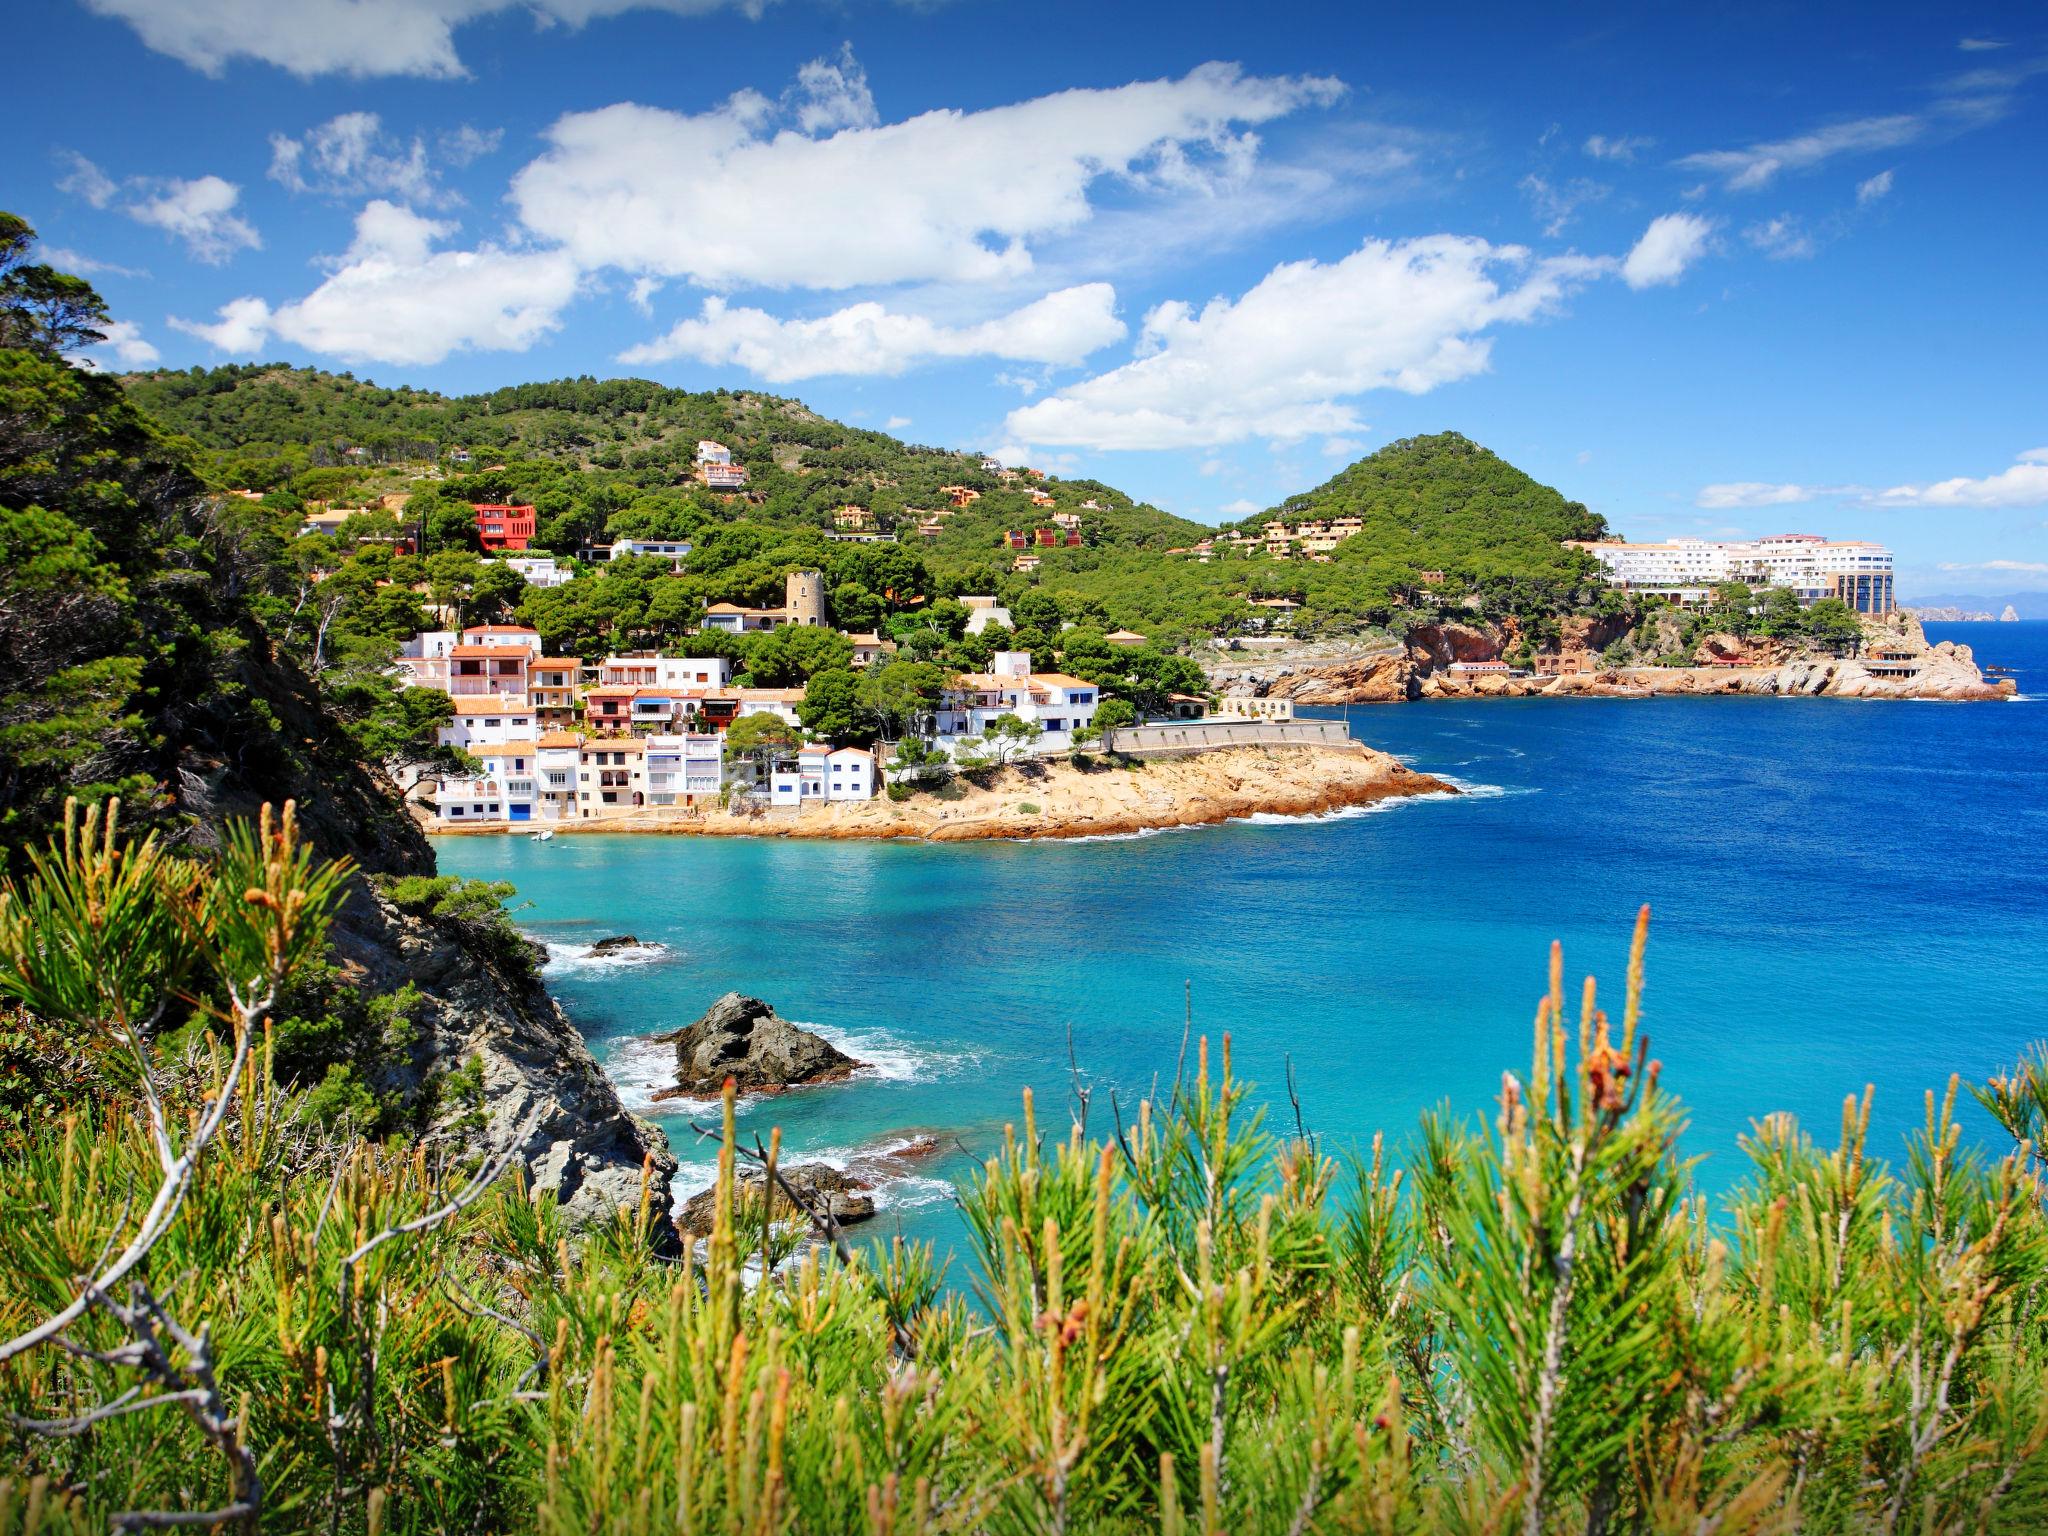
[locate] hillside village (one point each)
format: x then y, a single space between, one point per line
610 598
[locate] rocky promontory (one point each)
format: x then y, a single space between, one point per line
1056 798
1452 660
744 1039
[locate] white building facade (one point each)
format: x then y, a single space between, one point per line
1687 570
1056 703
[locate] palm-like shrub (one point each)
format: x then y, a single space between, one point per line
1193 1324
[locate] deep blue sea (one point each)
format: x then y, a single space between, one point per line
1845 892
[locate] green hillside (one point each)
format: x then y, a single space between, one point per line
607 446
1443 501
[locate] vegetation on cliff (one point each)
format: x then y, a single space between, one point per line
1195 1324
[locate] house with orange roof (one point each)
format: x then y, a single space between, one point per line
489 721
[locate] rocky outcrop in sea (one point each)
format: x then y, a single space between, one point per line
744 1039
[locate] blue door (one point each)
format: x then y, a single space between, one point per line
521 812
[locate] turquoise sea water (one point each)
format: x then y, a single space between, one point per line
1844 893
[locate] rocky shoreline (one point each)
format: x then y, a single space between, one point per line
1055 799
1428 666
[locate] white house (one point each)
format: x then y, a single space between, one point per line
850 774
983 611
515 636
1056 703
779 702
556 758
422 662
539 570
668 549
506 790
647 669
488 722
709 452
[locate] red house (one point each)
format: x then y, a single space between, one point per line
500 526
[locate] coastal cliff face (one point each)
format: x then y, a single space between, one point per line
1422 669
478 1010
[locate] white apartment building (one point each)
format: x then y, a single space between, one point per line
1687 570
488 722
685 768
822 775
1055 702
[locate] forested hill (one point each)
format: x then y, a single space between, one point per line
1444 501
266 425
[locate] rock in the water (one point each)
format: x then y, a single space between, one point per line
744 1039
617 942
820 1184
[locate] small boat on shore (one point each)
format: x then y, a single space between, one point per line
544 835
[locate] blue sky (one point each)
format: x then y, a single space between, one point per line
1774 267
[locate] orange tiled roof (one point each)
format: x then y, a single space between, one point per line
511 705
559 739
506 749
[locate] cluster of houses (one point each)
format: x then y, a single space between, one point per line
558 738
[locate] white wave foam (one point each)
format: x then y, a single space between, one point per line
892 1189
889 1059
640 1068
567 956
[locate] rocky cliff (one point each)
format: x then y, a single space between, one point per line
476 1004
1895 662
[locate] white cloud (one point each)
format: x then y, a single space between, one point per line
895 423
1743 170
831 94
1062 327
2019 567
1622 147
1556 203
1673 242
393 299
1781 239
2023 485
362 38
1241 507
1876 187
1978 44
732 196
468 144
124 346
1278 362
85 180
351 156
642 293
67 260
1013 455
1754 493
200 212
1342 447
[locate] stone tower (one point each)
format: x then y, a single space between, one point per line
804 597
